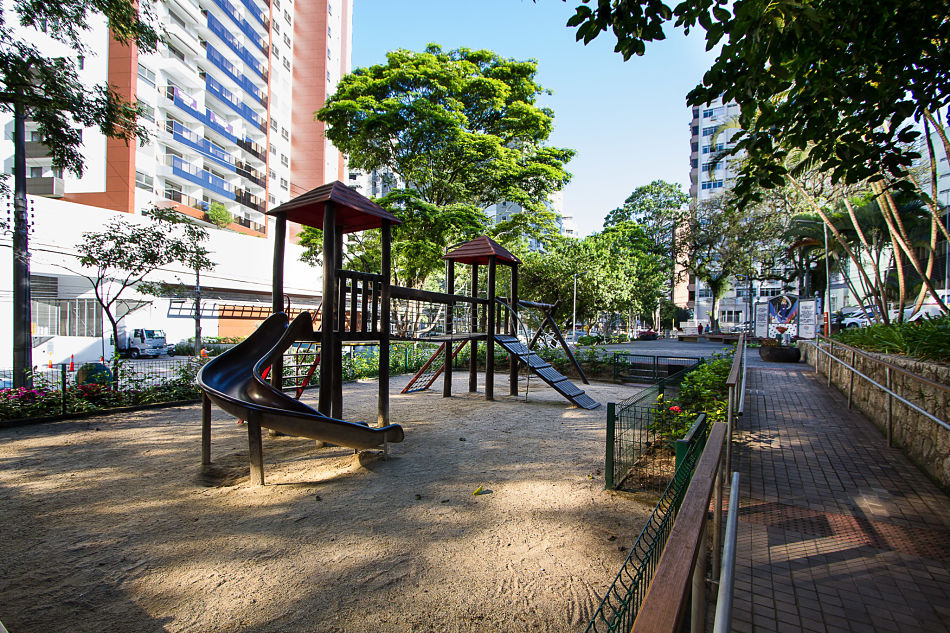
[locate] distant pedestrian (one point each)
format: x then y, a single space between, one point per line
699 328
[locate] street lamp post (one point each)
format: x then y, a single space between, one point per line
824 229
574 322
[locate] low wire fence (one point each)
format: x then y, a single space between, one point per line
620 605
638 454
643 368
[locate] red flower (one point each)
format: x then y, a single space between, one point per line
675 409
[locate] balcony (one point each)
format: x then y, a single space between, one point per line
188 201
255 12
48 187
249 200
235 45
201 177
245 170
221 62
35 149
257 151
241 23
224 95
208 149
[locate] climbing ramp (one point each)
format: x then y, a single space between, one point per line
546 372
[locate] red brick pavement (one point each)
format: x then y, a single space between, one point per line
837 532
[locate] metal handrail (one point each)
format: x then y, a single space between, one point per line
887 390
727 577
900 370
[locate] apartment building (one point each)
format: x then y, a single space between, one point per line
228 101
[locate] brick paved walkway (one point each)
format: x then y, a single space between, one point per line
837 532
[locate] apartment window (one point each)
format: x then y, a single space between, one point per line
277 4
177 53
328 76
711 166
36 172
718 147
329 53
695 130
274 51
176 19
67 317
283 184
709 131
730 316
284 160
287 17
273 124
36 136
329 8
271 198
286 39
276 28
286 63
284 132
713 184
273 149
353 175
272 174
143 181
147 112
147 75
329 31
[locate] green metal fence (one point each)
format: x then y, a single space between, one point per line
620 605
644 368
634 450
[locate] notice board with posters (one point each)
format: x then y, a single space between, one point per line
786 315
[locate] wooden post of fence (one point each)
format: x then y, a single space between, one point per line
449 347
384 323
490 343
473 346
890 403
851 385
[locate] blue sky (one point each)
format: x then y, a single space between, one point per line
628 121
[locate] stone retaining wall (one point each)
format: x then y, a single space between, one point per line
924 441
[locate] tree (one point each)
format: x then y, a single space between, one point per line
656 207
719 240
463 131
844 78
120 257
47 90
186 247
218 214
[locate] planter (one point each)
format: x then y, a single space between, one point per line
780 354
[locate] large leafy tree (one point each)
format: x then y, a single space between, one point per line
462 131
655 207
844 78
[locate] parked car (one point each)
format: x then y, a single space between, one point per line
646 335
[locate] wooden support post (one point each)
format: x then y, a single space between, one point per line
384 317
513 319
449 289
473 360
205 429
328 319
490 343
277 292
256 448
336 407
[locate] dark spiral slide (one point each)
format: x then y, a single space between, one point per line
233 382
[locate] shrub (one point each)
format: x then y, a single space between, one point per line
926 338
218 214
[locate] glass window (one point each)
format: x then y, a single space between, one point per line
143 181
147 75
283 184
284 160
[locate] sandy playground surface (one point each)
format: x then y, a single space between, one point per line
108 524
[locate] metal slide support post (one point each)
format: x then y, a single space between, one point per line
473 346
205 429
447 367
382 416
513 317
277 293
328 319
490 342
255 447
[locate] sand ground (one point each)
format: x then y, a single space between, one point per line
108 524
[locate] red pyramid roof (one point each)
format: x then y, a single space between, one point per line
354 211
479 250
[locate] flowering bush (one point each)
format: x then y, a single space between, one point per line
703 390
20 402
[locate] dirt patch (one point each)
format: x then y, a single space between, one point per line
109 524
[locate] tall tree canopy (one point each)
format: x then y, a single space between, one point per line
460 131
50 88
844 78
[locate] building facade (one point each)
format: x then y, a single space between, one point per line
228 101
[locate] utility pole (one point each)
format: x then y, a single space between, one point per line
22 334
824 228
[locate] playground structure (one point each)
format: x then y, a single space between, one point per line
360 307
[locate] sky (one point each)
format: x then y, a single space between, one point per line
628 121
